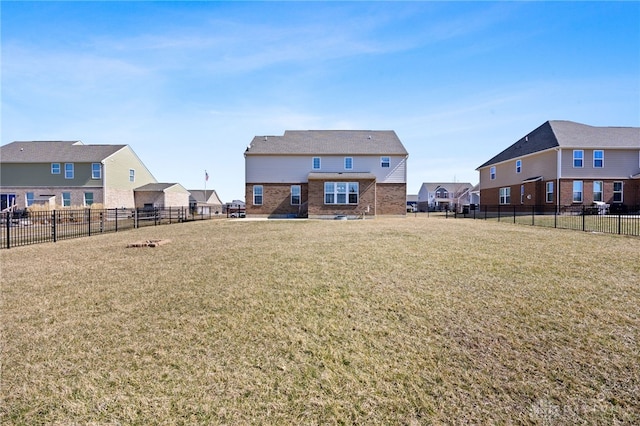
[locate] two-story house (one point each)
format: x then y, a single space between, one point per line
70 174
444 196
326 173
563 163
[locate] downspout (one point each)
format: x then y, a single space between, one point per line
558 176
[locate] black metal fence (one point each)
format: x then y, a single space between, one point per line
20 228
623 220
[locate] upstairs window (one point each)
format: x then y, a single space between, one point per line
55 168
492 172
578 157
348 163
316 163
385 161
68 170
96 171
30 198
132 175
598 159
518 166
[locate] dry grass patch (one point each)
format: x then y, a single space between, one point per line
387 321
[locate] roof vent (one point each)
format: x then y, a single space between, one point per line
369 137
265 138
526 138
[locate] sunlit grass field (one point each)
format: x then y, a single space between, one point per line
387 321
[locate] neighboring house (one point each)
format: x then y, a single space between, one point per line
205 201
161 195
326 173
412 203
564 163
444 196
69 173
236 208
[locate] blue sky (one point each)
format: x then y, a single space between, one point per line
189 84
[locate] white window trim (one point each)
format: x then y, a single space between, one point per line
492 173
518 166
573 191
299 195
63 199
594 158
335 193
72 171
601 192
621 192
505 195
132 175
84 199
385 162
29 203
547 192
347 159
58 166
575 158
99 170
313 163
261 195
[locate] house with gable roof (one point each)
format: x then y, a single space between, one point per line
445 196
72 174
564 163
326 173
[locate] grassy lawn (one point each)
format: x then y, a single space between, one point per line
387 321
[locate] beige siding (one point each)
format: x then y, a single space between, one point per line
540 164
287 169
116 170
618 163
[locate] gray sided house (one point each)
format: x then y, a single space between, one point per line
69 174
445 196
161 195
205 201
563 163
326 173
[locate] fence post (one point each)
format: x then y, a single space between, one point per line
533 215
583 218
116 227
514 214
619 223
8 223
53 226
556 210
135 218
88 213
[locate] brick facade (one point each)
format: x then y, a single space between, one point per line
276 200
537 190
380 199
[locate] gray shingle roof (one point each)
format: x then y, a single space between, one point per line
55 152
568 134
155 187
327 142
